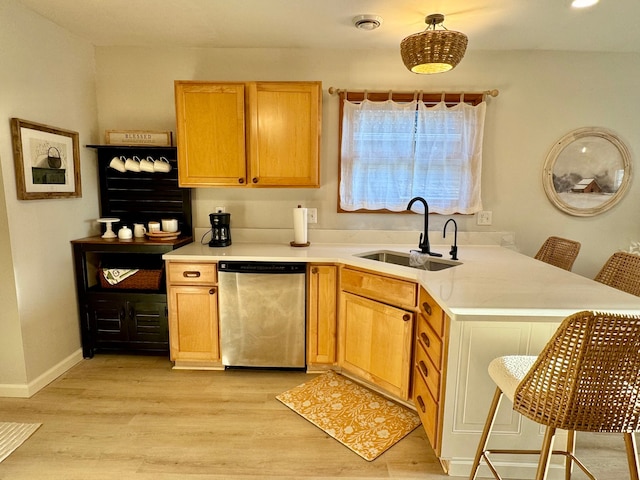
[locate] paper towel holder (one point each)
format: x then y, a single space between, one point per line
294 243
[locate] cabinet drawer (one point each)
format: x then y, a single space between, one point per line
430 373
378 287
191 273
432 312
427 409
429 341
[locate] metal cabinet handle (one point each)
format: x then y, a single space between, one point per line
241 180
406 317
254 179
427 308
423 368
421 404
212 291
425 339
314 270
191 274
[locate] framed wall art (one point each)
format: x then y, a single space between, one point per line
47 161
587 171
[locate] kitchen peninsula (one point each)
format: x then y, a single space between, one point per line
496 302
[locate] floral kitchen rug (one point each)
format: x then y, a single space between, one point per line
360 419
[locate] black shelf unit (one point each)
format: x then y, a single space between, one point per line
140 196
129 320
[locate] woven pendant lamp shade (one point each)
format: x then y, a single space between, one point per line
433 51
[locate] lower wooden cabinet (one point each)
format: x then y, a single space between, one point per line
192 293
322 314
375 342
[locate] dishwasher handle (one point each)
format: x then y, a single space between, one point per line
262 267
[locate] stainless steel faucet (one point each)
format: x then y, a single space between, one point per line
454 247
424 237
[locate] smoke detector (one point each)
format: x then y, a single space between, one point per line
367 22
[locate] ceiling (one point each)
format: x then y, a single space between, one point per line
609 26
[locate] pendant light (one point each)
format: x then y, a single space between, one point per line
433 51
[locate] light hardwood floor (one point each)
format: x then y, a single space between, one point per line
133 417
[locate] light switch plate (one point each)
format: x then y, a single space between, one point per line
312 215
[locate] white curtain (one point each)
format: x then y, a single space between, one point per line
393 151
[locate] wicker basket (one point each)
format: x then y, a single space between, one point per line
145 279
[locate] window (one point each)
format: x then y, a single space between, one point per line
392 151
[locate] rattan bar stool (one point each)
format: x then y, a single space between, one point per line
587 379
560 252
621 271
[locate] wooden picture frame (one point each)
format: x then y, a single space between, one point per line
47 161
153 138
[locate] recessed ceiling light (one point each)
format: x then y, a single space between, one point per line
583 3
367 22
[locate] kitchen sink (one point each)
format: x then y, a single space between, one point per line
426 262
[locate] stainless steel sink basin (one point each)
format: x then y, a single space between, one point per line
427 263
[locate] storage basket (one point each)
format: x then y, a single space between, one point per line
144 279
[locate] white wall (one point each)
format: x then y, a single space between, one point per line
543 96
47 76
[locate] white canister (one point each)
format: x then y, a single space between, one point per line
153 227
169 225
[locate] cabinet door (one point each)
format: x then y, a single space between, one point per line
193 323
284 142
210 124
107 322
147 323
375 342
322 307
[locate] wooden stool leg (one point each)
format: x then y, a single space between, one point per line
632 456
545 453
571 449
484 438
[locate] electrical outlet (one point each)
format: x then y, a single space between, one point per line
312 215
485 217
220 209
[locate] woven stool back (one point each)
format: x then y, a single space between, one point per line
621 271
559 252
587 378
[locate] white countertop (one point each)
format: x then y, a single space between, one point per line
493 283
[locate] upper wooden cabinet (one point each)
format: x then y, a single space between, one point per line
256 134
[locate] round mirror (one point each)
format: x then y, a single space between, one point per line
587 171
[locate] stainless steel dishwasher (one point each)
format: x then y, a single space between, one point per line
262 314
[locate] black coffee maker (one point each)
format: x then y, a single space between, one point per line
220 232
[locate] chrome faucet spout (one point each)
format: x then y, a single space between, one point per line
423 244
454 247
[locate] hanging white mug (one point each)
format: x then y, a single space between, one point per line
146 164
117 163
162 165
132 164
139 230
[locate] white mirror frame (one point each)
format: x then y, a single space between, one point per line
576 166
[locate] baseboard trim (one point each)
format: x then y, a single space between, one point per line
29 389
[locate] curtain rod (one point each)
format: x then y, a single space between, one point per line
334 91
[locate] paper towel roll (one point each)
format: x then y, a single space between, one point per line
300 225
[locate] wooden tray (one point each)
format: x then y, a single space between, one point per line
162 235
